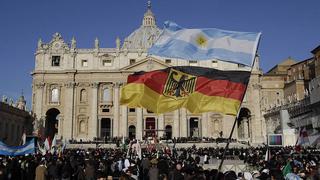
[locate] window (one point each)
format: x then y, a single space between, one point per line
214 63
132 61
105 110
107 95
84 63
55 61
132 109
106 62
83 95
193 63
168 61
54 95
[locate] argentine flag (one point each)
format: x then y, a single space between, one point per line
28 148
206 44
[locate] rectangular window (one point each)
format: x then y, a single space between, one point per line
55 61
168 61
106 110
84 63
193 63
132 61
106 62
214 63
132 110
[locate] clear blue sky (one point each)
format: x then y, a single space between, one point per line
289 27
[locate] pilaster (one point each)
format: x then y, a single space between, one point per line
183 123
93 124
139 130
124 121
116 115
160 122
204 125
68 122
176 124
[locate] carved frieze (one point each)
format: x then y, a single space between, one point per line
94 85
256 86
70 84
40 85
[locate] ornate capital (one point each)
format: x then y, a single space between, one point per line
256 86
70 84
94 85
40 85
118 84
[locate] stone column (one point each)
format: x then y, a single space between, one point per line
116 109
139 129
204 125
176 124
60 126
93 124
161 125
68 125
124 122
183 123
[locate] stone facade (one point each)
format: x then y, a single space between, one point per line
299 100
14 121
76 92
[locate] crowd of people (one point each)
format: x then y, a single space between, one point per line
115 140
162 163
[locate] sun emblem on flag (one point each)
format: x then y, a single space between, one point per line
179 85
201 40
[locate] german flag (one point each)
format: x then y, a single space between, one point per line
197 89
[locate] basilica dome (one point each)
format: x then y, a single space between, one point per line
145 35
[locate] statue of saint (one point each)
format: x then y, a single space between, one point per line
73 43
96 43
39 43
118 43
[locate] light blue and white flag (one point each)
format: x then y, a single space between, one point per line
28 148
206 44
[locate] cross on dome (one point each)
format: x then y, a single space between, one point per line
149 19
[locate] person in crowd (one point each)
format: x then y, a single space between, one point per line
41 171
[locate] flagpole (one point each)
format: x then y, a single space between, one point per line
234 124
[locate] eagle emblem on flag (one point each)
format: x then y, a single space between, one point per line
179 85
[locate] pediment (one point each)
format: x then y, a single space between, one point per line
106 56
57 44
147 64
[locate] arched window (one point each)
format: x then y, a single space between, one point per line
83 95
55 95
107 95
